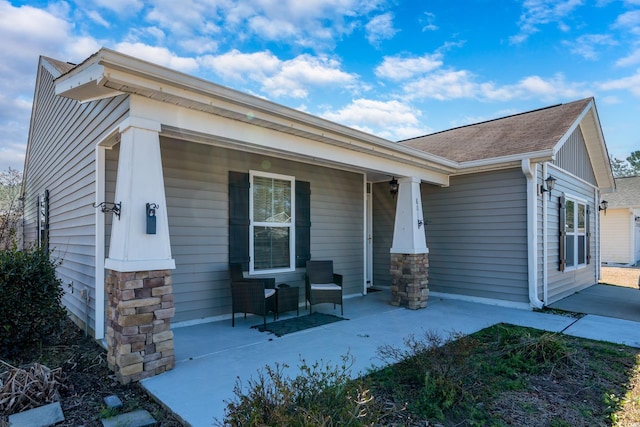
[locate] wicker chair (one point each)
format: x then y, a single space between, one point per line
255 296
323 285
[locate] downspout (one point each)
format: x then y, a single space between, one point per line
532 236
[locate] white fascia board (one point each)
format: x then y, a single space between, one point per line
85 84
504 162
597 149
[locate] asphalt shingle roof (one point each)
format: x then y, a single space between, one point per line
627 193
528 132
63 67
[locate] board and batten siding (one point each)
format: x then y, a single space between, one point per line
561 284
196 181
574 158
477 235
61 159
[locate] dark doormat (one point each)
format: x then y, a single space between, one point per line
370 290
300 323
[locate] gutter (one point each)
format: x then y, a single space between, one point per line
532 237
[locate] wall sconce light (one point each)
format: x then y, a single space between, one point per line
151 217
550 183
637 222
603 206
108 207
393 187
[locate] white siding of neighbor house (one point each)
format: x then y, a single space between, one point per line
196 180
616 225
564 283
477 235
61 159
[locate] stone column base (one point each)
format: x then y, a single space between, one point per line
139 311
409 280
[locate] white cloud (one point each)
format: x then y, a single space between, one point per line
630 83
541 12
95 16
121 7
158 55
393 120
587 45
297 75
380 28
429 25
399 68
443 85
238 66
631 59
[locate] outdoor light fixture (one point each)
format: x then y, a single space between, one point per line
109 207
393 187
603 206
550 183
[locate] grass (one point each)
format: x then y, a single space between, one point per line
501 376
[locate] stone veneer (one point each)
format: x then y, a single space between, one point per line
139 311
409 280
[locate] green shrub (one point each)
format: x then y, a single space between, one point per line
320 395
30 300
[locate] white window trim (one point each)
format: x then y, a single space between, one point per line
291 225
576 200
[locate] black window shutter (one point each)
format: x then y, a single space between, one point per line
303 223
587 224
562 234
239 218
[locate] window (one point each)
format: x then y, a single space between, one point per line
574 223
272 231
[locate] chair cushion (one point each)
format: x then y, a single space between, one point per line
325 287
269 292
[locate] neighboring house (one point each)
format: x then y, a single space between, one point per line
201 175
621 223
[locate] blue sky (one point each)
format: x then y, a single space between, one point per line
394 68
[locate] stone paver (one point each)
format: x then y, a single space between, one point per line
42 416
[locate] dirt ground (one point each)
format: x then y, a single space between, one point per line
621 276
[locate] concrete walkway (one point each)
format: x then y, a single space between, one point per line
604 300
210 357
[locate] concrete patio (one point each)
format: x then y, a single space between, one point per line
210 357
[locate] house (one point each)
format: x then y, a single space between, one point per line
148 182
621 223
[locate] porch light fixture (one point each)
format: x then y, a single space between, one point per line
603 206
393 187
109 207
550 183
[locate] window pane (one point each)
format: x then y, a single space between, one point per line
569 222
581 218
270 248
271 200
581 249
569 247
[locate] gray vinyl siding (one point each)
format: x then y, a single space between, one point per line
574 158
196 181
384 212
477 235
564 283
61 159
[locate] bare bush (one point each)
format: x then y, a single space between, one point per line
10 207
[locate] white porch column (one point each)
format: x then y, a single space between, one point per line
138 280
409 252
408 231
139 182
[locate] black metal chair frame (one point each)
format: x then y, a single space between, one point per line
248 295
321 272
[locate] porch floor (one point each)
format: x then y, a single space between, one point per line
210 357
